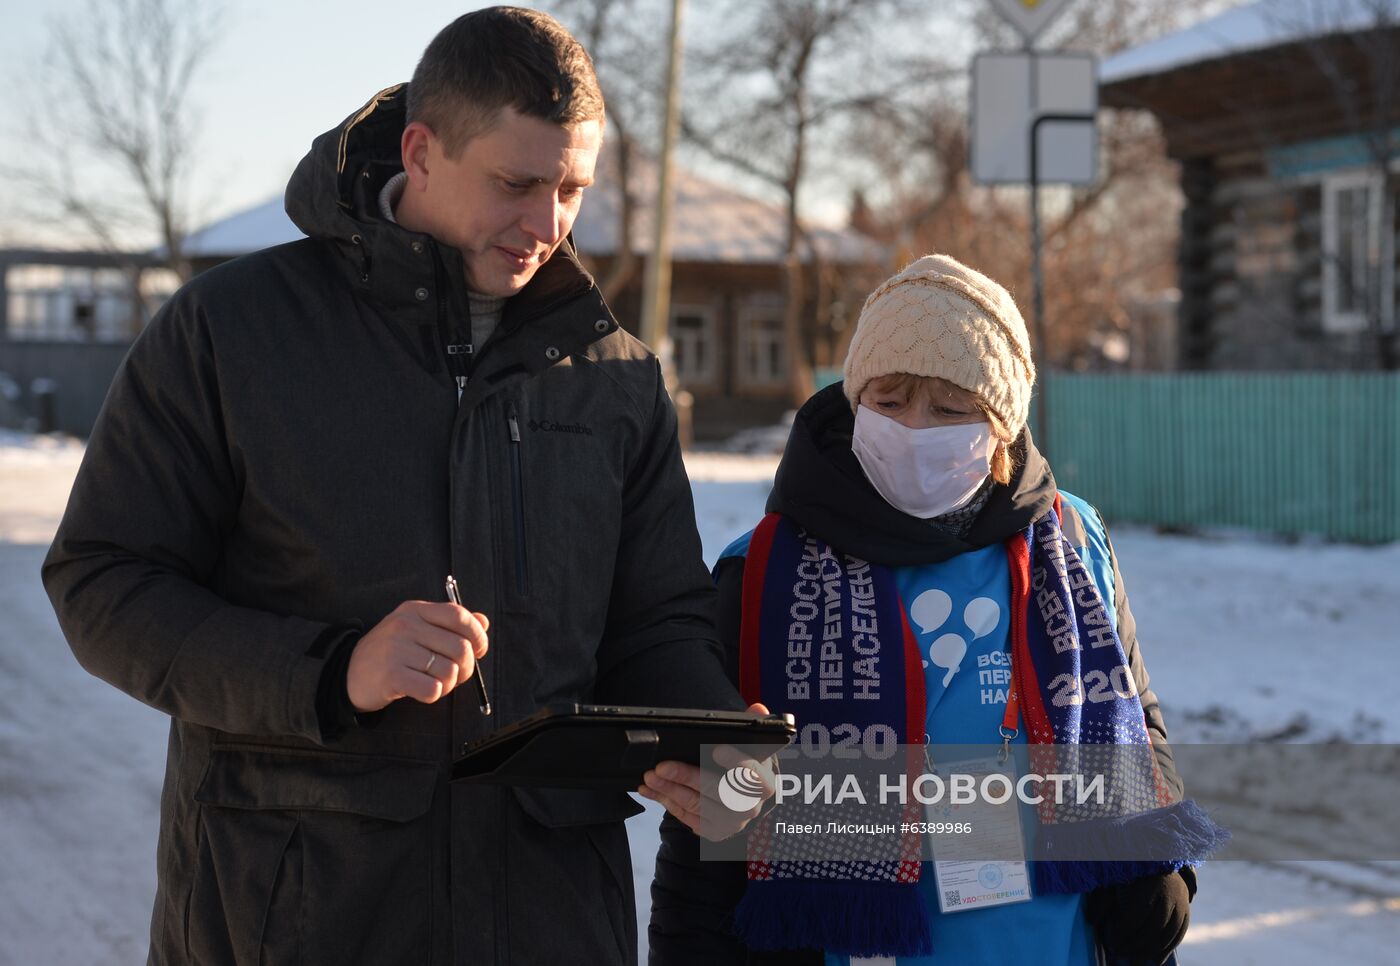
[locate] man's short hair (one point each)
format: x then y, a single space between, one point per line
496 58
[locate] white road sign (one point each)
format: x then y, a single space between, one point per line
1010 91
1029 17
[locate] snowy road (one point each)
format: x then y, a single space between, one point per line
1236 634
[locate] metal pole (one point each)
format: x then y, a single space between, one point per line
1037 274
1038 306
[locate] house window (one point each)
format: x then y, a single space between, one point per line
1356 254
76 304
693 346
762 354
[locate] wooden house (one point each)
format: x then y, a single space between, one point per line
1285 118
66 320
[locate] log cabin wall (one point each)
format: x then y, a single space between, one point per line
1268 141
1252 275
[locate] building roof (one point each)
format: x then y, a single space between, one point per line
261 226
710 223
1254 26
1264 77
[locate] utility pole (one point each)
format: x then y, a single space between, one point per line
656 286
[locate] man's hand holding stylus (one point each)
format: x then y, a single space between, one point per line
422 650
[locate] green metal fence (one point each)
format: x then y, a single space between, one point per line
1289 453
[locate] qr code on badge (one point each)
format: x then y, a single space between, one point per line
952 897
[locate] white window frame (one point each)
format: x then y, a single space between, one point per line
1379 249
708 333
753 308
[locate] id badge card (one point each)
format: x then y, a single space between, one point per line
985 866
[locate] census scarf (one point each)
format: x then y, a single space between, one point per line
805 602
838 653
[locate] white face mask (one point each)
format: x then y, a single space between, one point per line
924 472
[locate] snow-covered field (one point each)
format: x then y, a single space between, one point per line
1243 638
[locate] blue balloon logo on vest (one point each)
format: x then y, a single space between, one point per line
931 610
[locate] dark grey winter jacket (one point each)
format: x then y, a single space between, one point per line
281 461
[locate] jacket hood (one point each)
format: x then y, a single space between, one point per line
335 188
821 487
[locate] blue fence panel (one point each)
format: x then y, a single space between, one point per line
1289 453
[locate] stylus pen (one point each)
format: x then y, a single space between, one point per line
480 680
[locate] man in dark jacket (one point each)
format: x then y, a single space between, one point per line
298 450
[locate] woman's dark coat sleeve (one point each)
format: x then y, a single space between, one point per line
1151 706
692 902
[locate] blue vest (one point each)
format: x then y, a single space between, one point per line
958 610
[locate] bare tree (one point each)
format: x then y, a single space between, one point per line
779 75
112 129
1106 246
621 37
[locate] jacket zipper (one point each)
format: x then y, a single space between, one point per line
517 490
459 352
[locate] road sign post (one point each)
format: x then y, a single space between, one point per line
1033 123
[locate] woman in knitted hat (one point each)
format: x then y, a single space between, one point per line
963 600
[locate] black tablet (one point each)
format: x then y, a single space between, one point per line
605 746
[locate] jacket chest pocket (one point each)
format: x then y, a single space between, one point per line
514 520
558 512
515 469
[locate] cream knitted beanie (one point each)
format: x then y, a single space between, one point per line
940 318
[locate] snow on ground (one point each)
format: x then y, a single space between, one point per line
1242 636
1239 634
